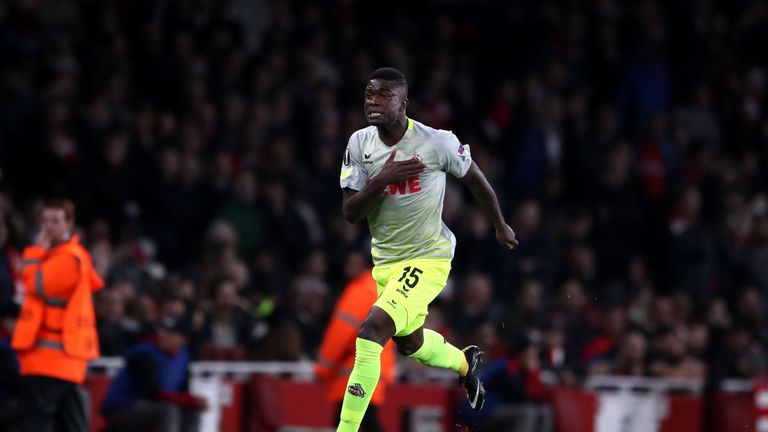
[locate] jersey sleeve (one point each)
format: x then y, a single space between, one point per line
454 156
353 175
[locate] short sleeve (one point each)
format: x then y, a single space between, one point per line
454 156
353 175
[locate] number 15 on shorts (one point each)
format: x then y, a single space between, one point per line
411 276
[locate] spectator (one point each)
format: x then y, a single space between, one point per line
245 215
115 334
308 303
534 257
554 356
670 359
228 327
475 304
10 378
740 356
574 315
530 308
691 248
8 262
515 386
608 338
629 358
149 392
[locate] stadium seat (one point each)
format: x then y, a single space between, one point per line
277 403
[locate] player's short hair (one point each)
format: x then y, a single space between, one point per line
387 73
61 204
390 74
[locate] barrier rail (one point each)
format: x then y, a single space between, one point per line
737 386
108 365
298 371
600 383
302 371
602 404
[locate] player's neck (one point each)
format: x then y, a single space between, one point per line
391 134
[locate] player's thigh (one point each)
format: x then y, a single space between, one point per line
410 287
382 274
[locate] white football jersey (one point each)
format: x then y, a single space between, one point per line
407 223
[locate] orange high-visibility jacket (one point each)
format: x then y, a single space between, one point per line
337 352
55 334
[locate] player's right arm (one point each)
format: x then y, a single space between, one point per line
359 202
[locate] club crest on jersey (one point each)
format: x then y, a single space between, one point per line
461 149
415 156
356 390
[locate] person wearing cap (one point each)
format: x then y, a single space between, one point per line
149 393
55 335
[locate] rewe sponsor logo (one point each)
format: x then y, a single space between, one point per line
404 187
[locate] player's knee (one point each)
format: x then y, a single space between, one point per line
407 348
376 329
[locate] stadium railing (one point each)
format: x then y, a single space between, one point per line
601 403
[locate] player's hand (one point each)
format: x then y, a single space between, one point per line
401 170
506 237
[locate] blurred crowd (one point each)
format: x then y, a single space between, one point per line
201 141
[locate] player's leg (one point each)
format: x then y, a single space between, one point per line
420 283
388 316
420 286
374 333
430 348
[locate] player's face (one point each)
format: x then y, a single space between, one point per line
384 103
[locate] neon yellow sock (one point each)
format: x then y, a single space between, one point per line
437 352
362 382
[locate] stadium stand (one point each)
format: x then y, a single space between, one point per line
201 142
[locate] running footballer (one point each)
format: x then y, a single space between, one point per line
393 174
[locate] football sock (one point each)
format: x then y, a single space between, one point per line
437 352
362 382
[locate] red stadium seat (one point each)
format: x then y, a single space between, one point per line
730 412
574 409
277 403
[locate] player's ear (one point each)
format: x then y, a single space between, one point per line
404 103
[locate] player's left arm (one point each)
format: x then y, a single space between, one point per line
486 197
